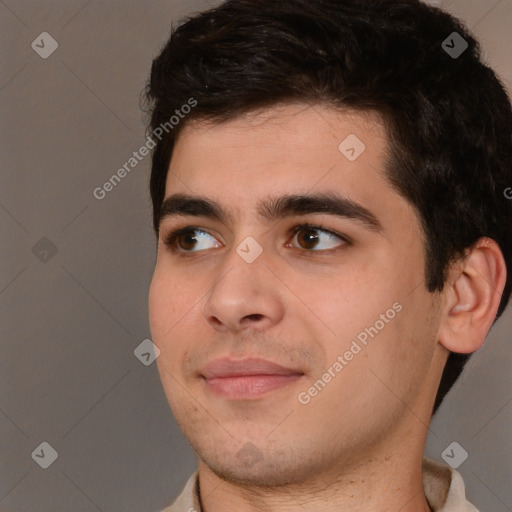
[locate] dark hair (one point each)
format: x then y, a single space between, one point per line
448 117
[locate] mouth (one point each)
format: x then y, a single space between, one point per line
247 378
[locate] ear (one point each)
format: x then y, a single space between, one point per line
472 295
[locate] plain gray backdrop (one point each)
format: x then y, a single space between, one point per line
75 271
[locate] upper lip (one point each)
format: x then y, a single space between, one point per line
228 367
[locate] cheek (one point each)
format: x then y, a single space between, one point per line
174 314
160 306
169 304
353 305
380 326
164 316
399 357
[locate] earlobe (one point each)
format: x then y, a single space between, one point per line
472 296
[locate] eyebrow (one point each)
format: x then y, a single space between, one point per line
273 208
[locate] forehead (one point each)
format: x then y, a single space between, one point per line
287 145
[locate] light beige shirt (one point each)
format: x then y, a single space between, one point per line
443 486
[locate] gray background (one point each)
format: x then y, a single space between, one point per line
70 323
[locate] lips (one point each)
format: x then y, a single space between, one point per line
247 378
226 367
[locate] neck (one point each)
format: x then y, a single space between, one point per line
378 481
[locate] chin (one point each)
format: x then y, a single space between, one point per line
251 467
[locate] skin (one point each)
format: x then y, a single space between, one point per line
358 444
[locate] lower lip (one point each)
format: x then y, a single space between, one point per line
249 386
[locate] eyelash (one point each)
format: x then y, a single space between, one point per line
170 240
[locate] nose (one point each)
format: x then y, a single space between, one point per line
246 295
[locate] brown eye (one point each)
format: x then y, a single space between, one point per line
310 237
307 238
186 239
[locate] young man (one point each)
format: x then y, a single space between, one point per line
333 243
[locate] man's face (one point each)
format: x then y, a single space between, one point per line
309 300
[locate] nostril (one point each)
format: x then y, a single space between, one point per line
255 316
